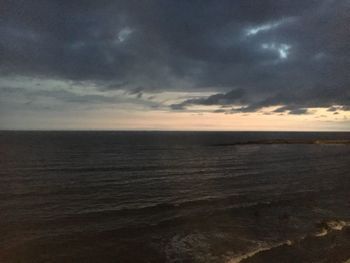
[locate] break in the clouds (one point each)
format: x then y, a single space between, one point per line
242 56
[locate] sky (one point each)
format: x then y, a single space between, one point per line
239 65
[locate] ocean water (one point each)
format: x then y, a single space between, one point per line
173 197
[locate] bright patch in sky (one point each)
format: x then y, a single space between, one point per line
282 49
255 30
124 34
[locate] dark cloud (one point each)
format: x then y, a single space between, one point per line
294 101
298 111
252 53
66 96
229 98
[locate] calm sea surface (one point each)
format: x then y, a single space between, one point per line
173 197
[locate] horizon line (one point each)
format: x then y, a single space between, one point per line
164 130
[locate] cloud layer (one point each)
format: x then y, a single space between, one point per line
290 54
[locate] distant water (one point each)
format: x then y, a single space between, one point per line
173 197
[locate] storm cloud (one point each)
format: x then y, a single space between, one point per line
249 54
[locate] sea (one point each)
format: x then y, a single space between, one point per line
132 196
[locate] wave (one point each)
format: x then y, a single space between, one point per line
327 226
330 242
232 202
255 251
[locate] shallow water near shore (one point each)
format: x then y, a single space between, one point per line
174 197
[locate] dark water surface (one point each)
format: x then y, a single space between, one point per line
173 197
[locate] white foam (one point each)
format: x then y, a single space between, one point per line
336 225
322 233
239 258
